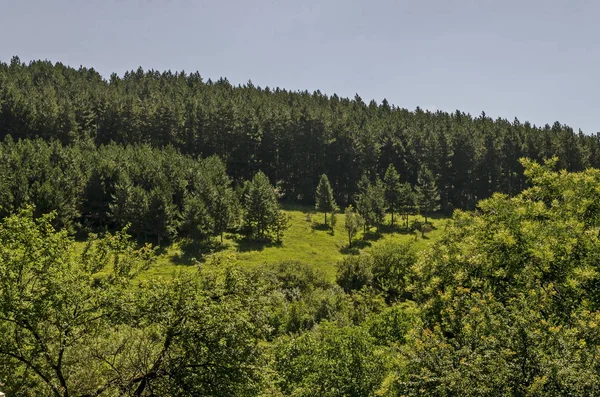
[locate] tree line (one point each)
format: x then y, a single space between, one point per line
506 303
158 194
293 137
161 194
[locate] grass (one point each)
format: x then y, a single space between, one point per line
307 240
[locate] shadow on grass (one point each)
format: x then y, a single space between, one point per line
372 236
288 206
247 245
357 245
398 229
321 227
194 252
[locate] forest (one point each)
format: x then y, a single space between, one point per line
293 137
467 256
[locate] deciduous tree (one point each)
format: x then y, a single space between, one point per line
352 223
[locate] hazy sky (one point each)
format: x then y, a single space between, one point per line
533 59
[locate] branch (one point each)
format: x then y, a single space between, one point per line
35 369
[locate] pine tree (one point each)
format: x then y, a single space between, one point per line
282 223
325 202
428 196
363 202
370 203
220 198
392 184
162 219
197 222
406 201
262 208
129 207
378 205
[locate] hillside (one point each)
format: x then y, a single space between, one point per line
504 302
293 137
307 241
161 235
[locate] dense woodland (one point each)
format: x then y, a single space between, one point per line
96 174
293 137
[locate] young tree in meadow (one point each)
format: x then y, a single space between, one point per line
370 203
353 223
282 223
224 209
325 202
428 195
363 202
393 188
333 220
262 208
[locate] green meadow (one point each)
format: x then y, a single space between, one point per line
307 240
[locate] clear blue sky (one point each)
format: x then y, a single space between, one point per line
537 60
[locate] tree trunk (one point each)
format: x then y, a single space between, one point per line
392 218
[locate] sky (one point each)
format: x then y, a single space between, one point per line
531 59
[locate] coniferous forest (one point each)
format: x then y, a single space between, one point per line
99 176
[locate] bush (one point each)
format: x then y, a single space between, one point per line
394 322
354 272
329 361
391 267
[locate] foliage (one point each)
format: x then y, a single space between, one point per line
325 202
71 324
392 269
293 136
352 223
329 361
428 196
506 303
406 202
262 212
393 193
394 325
370 203
354 273
507 295
486 348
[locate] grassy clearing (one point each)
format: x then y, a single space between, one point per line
306 241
